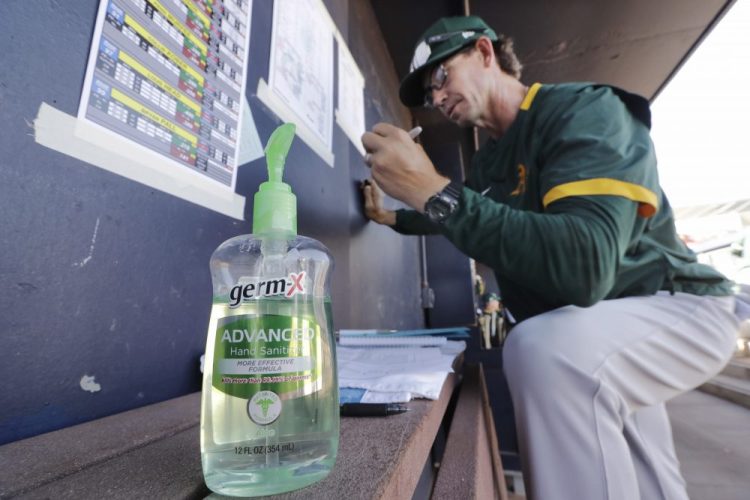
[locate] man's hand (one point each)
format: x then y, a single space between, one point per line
374 204
400 166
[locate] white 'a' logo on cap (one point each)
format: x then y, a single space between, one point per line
423 50
421 54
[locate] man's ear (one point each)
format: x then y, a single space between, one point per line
485 49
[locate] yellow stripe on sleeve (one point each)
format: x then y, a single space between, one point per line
648 203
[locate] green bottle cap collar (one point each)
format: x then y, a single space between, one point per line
274 205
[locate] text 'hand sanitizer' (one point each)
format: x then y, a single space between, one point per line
270 408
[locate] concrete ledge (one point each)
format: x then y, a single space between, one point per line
164 469
471 466
738 368
42 463
382 457
730 388
154 452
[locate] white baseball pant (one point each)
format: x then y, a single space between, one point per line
589 386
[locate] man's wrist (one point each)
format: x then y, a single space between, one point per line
388 218
430 191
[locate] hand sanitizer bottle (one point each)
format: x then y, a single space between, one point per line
270 409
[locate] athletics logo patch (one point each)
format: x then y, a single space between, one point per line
521 187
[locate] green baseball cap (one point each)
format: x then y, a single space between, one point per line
443 39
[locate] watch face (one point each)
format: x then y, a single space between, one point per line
440 206
437 211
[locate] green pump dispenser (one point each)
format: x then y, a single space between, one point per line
274 205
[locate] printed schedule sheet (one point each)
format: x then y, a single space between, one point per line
170 76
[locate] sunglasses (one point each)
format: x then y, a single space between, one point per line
439 77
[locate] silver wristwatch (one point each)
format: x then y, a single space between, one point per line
444 203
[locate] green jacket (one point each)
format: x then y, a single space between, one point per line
566 206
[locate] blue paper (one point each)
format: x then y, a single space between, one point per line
350 395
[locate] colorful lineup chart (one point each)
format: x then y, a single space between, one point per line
170 76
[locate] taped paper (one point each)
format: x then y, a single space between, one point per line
99 147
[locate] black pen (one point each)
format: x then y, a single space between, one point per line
371 409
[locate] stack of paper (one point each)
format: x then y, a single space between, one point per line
458 332
378 367
393 341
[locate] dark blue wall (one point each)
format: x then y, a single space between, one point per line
134 316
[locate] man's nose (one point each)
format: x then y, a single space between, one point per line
438 98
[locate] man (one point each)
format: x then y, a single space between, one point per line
614 315
491 321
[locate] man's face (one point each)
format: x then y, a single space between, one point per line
449 88
493 305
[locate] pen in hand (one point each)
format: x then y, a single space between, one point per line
371 409
413 133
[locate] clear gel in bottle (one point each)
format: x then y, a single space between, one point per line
270 409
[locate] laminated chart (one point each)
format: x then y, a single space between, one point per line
170 76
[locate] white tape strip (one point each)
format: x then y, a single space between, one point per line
101 148
283 111
350 133
250 146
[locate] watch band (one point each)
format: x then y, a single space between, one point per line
453 189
